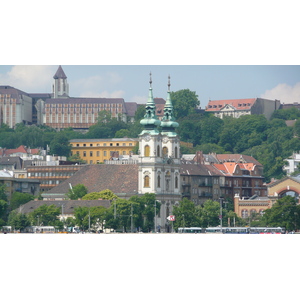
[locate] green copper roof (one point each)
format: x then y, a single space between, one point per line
168 123
150 121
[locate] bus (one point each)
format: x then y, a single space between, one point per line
236 230
267 230
40 229
214 229
190 230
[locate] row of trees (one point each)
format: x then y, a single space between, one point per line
137 213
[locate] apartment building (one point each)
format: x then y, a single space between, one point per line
95 151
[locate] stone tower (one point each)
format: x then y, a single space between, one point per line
60 88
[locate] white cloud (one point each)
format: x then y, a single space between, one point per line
103 86
139 99
284 92
30 78
103 94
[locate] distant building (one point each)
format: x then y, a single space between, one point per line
95 151
239 107
58 110
15 106
292 163
12 184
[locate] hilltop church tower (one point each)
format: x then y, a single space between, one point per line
60 88
159 158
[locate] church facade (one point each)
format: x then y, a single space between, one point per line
159 159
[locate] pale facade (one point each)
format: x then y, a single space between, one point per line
159 160
15 106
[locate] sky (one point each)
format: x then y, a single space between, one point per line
131 82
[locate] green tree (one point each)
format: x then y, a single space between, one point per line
186 214
18 221
3 195
81 214
19 199
45 215
284 213
184 102
77 191
3 211
60 145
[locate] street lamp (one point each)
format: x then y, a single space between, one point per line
221 217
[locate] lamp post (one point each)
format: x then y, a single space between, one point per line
221 217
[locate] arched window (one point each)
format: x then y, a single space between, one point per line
244 213
146 181
158 151
176 182
165 151
158 181
176 152
147 151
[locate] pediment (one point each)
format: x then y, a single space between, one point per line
228 107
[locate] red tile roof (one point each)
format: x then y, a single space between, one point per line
239 104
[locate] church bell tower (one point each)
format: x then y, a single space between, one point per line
60 88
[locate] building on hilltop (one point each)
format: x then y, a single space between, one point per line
15 106
240 107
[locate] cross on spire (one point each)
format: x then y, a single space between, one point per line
150 80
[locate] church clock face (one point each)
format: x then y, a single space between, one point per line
147 138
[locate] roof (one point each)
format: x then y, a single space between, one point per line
60 73
120 179
68 205
9 160
192 168
239 104
238 158
15 93
131 108
104 140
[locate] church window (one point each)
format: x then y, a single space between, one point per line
165 151
147 151
158 151
158 181
176 182
176 152
146 181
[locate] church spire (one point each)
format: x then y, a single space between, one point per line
168 123
150 120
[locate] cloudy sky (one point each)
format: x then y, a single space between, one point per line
131 82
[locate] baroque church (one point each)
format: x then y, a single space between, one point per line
159 159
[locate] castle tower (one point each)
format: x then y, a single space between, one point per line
60 88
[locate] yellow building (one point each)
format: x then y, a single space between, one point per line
95 151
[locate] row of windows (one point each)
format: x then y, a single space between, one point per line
246 213
85 105
147 182
50 174
104 144
165 151
91 153
57 182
